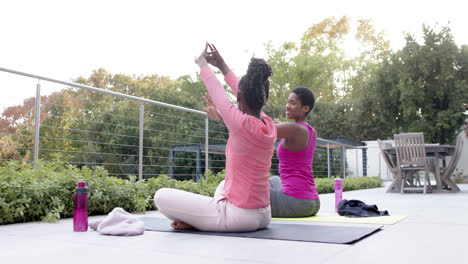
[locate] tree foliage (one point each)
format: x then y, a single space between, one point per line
340 83
423 87
312 63
90 128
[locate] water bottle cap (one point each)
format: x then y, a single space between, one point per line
81 184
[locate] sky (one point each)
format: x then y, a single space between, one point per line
67 39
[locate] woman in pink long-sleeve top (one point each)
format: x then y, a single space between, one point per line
293 193
242 201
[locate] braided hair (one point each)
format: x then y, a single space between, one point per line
306 96
255 85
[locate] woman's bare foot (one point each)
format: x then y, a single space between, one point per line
179 225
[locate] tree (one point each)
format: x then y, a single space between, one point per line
340 83
115 122
17 127
364 120
316 62
423 87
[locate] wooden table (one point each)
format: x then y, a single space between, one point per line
439 152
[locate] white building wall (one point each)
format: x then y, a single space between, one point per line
376 166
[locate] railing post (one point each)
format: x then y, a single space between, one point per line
198 169
37 121
171 168
328 160
140 148
206 145
380 168
343 160
364 161
357 163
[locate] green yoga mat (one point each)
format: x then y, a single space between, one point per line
336 218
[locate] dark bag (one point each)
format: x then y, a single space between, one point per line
356 208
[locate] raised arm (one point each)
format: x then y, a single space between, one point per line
229 112
210 108
296 136
231 79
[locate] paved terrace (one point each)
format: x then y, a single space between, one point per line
436 231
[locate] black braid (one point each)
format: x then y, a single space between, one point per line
255 86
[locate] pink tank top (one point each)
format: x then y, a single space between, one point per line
295 169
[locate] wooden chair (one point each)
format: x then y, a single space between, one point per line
390 164
446 172
411 158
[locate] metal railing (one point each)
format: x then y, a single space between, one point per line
152 150
368 161
112 93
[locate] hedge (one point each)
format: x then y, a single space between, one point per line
46 192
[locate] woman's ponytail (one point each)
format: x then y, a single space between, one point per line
255 85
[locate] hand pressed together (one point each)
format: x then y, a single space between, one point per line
214 58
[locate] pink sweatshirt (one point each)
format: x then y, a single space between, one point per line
249 148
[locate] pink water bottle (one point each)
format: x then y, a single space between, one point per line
80 216
338 192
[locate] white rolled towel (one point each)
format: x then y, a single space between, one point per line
119 223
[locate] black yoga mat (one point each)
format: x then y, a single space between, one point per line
294 232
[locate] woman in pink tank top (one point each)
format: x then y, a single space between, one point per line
293 193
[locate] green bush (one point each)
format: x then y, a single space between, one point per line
46 192
327 185
40 193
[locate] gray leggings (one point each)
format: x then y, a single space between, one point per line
283 205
